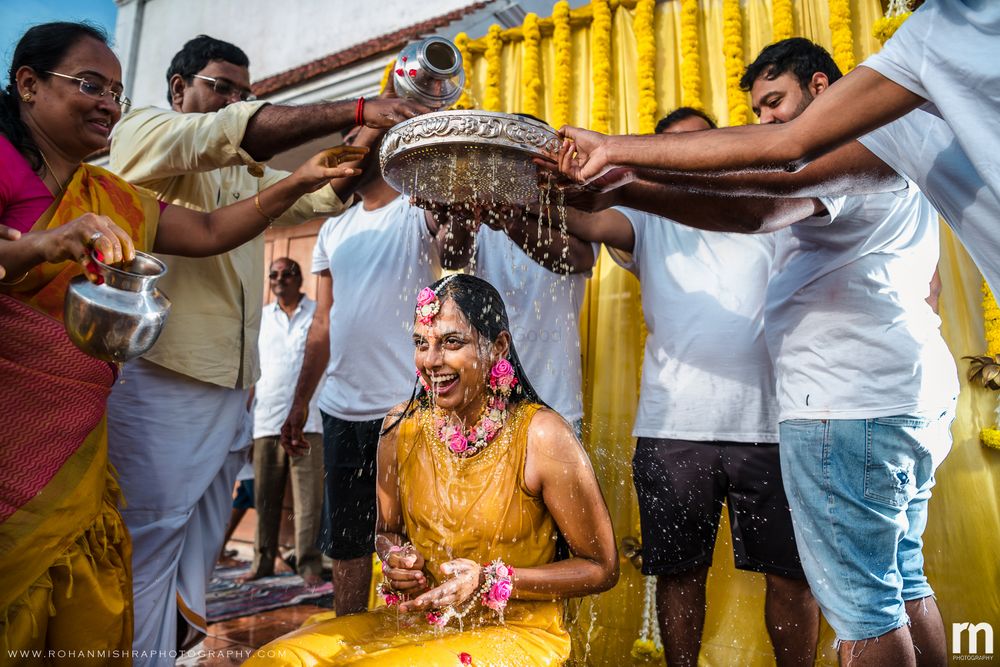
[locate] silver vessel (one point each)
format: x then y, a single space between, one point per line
120 319
466 156
430 72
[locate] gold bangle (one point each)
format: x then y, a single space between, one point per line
8 283
256 202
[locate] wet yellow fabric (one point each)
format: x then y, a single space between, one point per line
79 609
961 556
477 508
65 555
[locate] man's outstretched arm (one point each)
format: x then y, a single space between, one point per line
857 104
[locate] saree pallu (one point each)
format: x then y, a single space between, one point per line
65 571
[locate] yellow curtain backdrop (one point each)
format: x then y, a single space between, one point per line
591 74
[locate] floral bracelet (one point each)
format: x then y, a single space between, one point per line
498 584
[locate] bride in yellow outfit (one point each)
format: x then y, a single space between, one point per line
477 482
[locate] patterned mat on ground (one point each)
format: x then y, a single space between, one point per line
227 598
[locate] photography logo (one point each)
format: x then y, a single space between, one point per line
972 641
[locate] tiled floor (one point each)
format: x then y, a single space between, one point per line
232 642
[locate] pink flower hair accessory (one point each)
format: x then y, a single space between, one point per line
428 305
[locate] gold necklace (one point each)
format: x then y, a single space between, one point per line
53 173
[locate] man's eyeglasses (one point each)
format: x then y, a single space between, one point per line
227 89
94 89
287 273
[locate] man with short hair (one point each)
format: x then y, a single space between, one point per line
707 420
284 327
179 420
866 385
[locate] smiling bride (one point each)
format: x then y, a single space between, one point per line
477 482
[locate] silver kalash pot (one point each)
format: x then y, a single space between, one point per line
430 72
120 319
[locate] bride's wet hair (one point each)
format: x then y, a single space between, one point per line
484 309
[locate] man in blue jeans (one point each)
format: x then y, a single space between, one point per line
866 388
865 383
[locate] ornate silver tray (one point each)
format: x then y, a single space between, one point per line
464 156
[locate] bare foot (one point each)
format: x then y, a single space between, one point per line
312 579
281 567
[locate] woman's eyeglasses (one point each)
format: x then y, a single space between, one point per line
94 89
287 273
227 89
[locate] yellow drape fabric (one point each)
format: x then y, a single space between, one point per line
961 542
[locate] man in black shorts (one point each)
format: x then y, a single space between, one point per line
707 423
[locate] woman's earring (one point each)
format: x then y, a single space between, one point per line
26 97
502 378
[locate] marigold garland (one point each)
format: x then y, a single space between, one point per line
494 44
531 82
782 20
887 26
386 73
841 35
990 437
991 328
462 44
897 12
732 50
645 38
562 43
690 55
600 66
991 321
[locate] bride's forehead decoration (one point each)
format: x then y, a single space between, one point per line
428 304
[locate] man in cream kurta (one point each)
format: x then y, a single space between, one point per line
179 422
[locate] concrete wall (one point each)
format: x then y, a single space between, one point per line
277 36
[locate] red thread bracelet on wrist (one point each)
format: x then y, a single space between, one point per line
359 112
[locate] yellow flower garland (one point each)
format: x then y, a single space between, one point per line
600 66
782 20
732 50
462 44
690 55
897 12
561 41
841 35
645 38
531 82
991 328
886 26
386 73
493 48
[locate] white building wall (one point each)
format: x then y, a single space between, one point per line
276 36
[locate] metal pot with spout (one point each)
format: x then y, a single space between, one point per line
120 319
430 72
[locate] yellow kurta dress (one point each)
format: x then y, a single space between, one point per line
477 508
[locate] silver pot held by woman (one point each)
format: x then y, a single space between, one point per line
120 319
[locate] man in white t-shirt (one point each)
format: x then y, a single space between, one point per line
942 59
866 385
707 423
284 325
372 261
